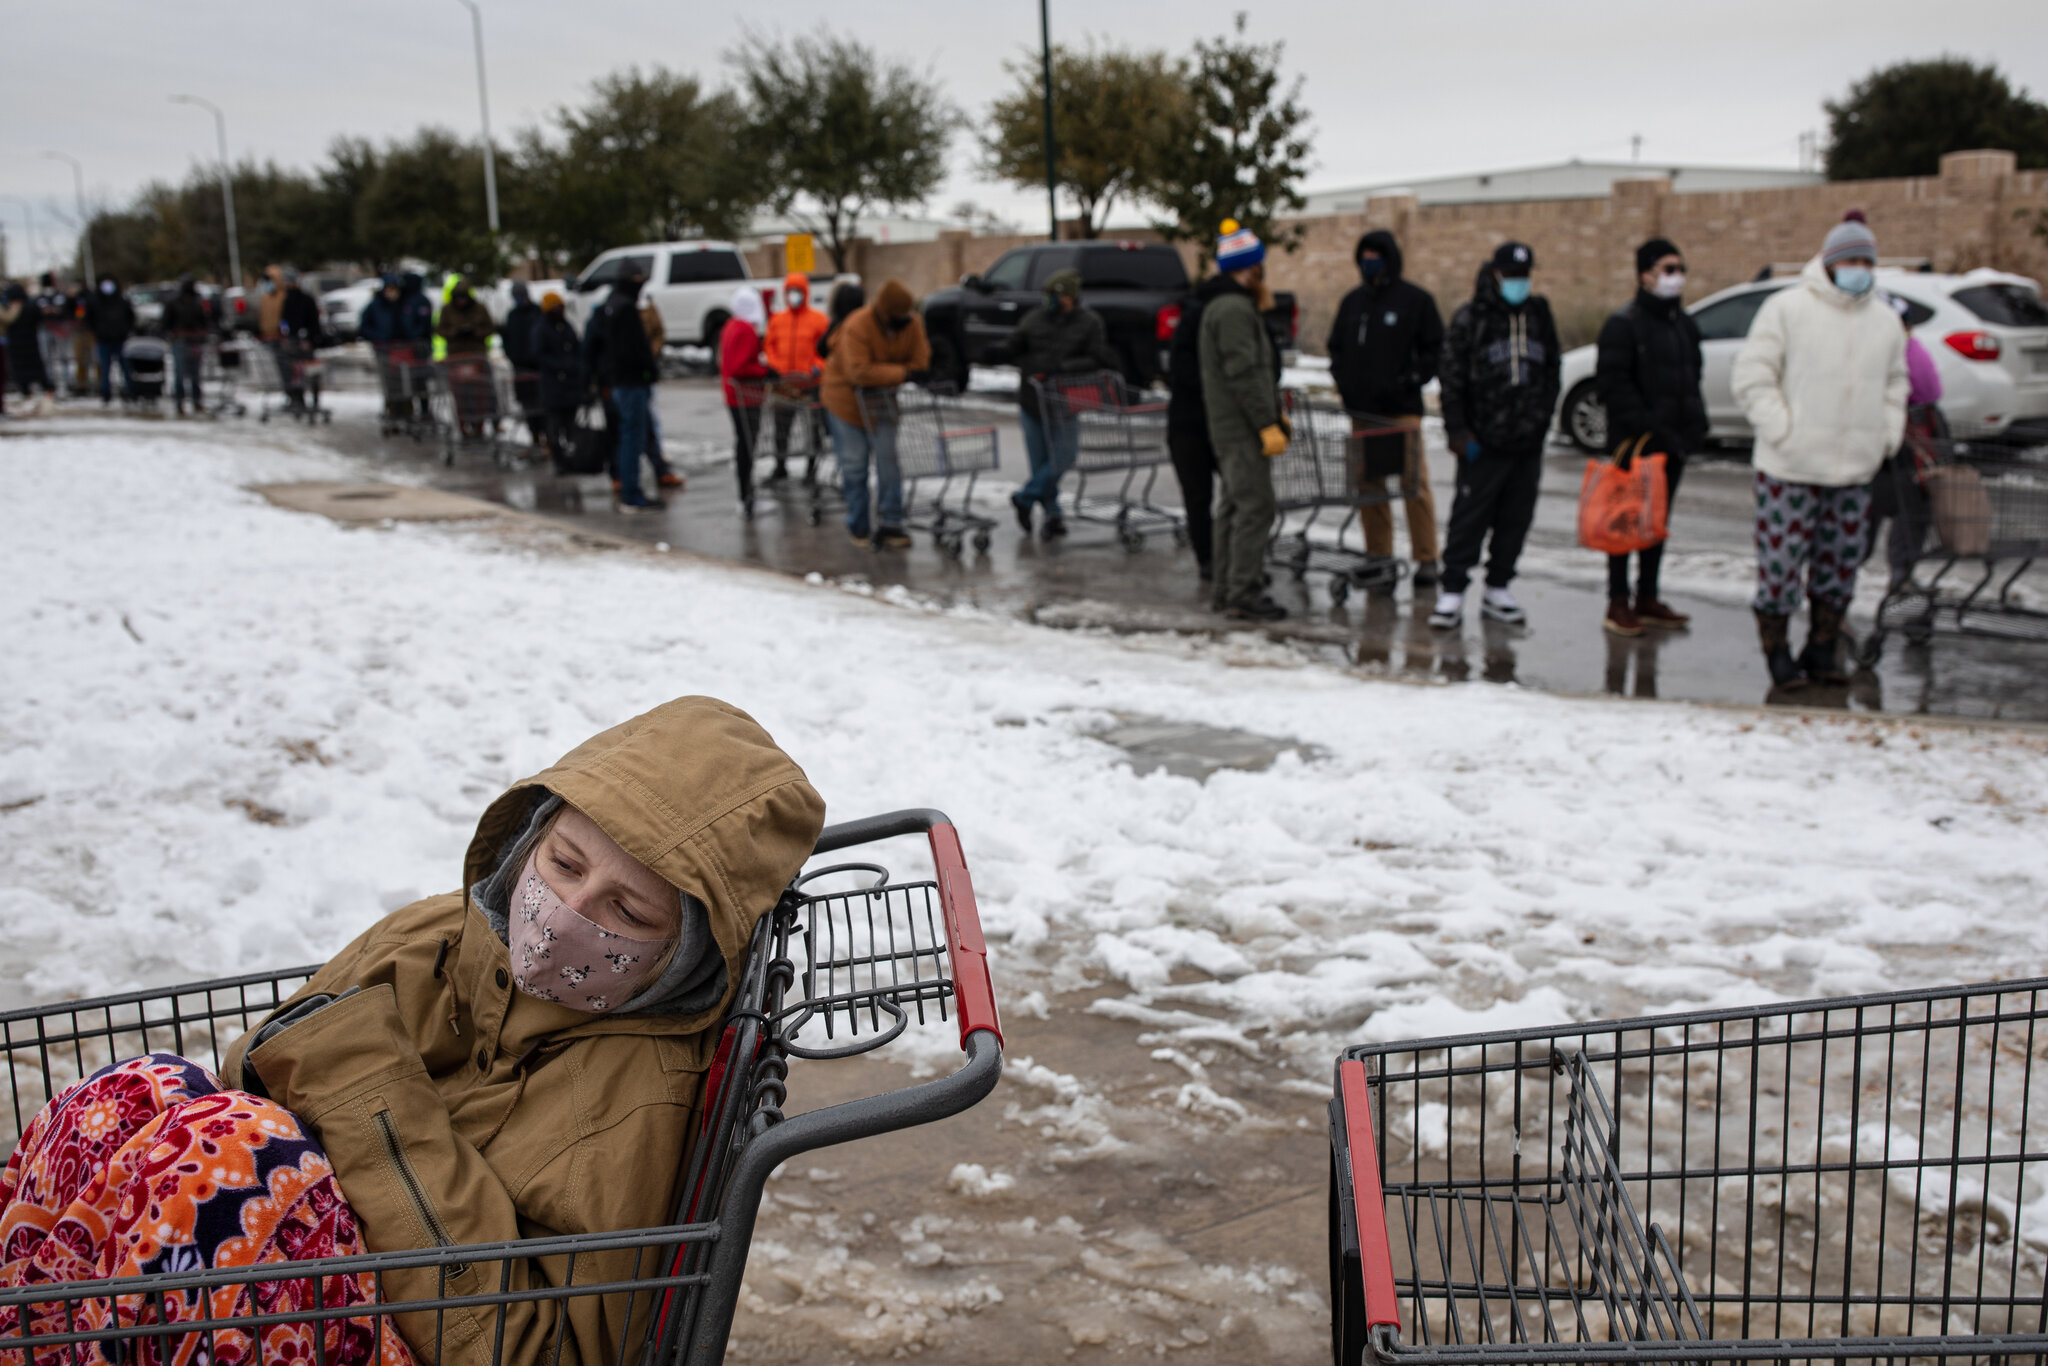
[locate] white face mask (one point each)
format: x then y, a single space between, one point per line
106 286
795 297
1668 286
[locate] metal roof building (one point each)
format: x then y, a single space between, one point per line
1572 179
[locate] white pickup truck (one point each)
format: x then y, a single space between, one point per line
690 282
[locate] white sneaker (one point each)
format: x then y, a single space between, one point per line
1500 605
1450 610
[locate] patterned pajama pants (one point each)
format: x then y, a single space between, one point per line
152 1165
1810 529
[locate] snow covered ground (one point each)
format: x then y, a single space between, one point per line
231 736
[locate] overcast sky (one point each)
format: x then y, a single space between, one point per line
1395 90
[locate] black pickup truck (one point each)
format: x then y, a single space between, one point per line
1137 287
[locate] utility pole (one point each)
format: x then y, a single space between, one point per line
84 219
1052 180
1635 147
28 216
227 186
483 103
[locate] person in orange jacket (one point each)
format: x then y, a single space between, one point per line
792 351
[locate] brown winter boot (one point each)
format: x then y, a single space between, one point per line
1652 610
1772 630
1620 621
1822 657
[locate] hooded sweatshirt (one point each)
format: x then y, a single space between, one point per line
1387 339
740 370
1823 380
458 1109
794 330
1501 370
867 355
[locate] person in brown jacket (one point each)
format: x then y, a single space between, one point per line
526 1057
878 347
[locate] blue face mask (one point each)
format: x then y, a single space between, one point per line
1515 291
1853 279
1370 268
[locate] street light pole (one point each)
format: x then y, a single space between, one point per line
227 184
84 220
1052 203
483 104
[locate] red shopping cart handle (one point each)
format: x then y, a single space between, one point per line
974 992
1375 1256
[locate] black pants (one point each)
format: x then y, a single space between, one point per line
1648 562
1194 464
746 435
785 418
1496 502
526 396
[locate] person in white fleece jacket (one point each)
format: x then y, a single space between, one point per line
1822 378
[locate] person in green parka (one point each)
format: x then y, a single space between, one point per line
1246 427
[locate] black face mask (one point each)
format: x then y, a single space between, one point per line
896 324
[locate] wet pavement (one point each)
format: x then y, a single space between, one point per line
1090 581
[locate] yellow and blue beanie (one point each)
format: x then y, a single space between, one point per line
1238 247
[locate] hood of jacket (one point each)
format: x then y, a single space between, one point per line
701 795
892 300
800 282
1381 241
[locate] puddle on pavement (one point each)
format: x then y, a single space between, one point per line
1195 751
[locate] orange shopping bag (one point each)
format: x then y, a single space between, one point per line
1622 502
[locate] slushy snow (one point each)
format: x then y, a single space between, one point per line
232 736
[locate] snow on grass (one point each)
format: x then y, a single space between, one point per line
232 736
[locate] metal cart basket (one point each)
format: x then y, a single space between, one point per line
405 377
282 369
842 965
469 408
1121 443
1336 464
1857 1178
938 438
1956 501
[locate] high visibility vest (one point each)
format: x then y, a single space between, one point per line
447 293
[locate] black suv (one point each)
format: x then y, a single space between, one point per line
1137 287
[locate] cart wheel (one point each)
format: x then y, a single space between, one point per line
263 417
1134 541
981 540
817 517
1919 632
1339 590
955 546
1180 537
1871 650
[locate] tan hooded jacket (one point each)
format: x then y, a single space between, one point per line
457 1109
866 355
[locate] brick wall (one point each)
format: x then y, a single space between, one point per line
1979 211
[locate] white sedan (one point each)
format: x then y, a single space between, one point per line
1987 332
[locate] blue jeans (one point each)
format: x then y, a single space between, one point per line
1052 448
185 361
632 401
108 354
852 446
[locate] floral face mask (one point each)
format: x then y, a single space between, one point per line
557 955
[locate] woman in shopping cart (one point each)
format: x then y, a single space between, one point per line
520 1058
1061 338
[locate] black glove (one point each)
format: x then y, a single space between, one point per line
773 373
278 1024
918 377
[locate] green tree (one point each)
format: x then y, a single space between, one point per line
1114 115
838 131
1900 120
425 200
649 157
1239 146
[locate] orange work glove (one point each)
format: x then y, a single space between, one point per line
1273 441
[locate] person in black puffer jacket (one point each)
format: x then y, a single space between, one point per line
1187 424
1648 377
1384 346
562 385
111 319
617 354
1061 338
1500 382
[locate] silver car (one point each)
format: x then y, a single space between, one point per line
1987 332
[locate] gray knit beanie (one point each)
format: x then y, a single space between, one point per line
1849 238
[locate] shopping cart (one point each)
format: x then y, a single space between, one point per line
846 961
1336 465
1856 1178
938 437
405 378
1120 442
1960 500
289 377
790 404
468 408
221 367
